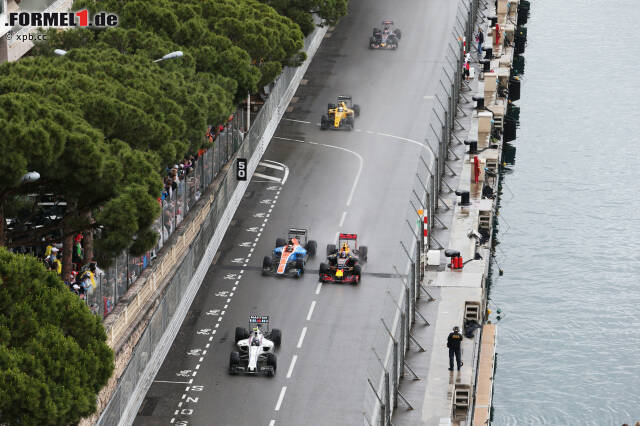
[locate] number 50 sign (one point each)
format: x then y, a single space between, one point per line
241 169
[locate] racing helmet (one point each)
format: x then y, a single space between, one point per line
340 108
343 254
345 247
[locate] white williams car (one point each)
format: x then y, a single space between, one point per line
255 349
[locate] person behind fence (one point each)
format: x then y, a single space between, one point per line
480 39
453 343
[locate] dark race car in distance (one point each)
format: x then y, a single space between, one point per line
385 38
343 265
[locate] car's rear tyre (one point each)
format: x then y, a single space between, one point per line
312 247
272 362
324 269
398 33
363 251
356 110
300 267
266 264
276 337
376 31
324 123
241 333
331 249
280 242
234 361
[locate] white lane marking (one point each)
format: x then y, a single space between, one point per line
201 358
280 398
344 215
402 139
169 381
360 159
286 170
318 288
272 422
260 175
173 419
194 373
369 132
273 166
301 339
184 395
311 308
207 345
297 121
197 366
293 363
180 404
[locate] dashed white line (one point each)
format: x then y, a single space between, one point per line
180 404
311 308
207 345
194 373
204 352
231 294
201 359
272 422
173 419
260 175
197 366
219 319
214 331
344 215
234 289
301 339
217 325
184 395
280 398
293 363
318 288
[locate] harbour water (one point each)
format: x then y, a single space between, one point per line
569 231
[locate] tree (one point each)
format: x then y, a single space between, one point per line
53 353
300 11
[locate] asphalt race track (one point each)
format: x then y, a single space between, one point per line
359 182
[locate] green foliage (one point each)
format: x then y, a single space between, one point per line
300 11
53 353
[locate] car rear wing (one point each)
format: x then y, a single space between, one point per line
387 22
259 319
298 233
348 236
344 98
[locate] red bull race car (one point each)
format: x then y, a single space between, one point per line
290 255
343 264
385 38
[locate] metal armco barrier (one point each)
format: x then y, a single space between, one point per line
384 379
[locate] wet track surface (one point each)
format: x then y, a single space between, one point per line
359 182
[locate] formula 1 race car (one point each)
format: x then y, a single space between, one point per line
385 38
255 349
290 255
343 265
340 115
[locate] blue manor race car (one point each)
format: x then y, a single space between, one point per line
290 255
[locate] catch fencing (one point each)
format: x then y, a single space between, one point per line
393 338
116 280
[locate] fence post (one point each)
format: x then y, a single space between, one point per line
387 411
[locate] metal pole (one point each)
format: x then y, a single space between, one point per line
387 411
248 111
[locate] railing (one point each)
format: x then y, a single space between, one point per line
117 279
394 337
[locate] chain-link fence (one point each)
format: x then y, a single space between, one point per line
175 291
394 339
